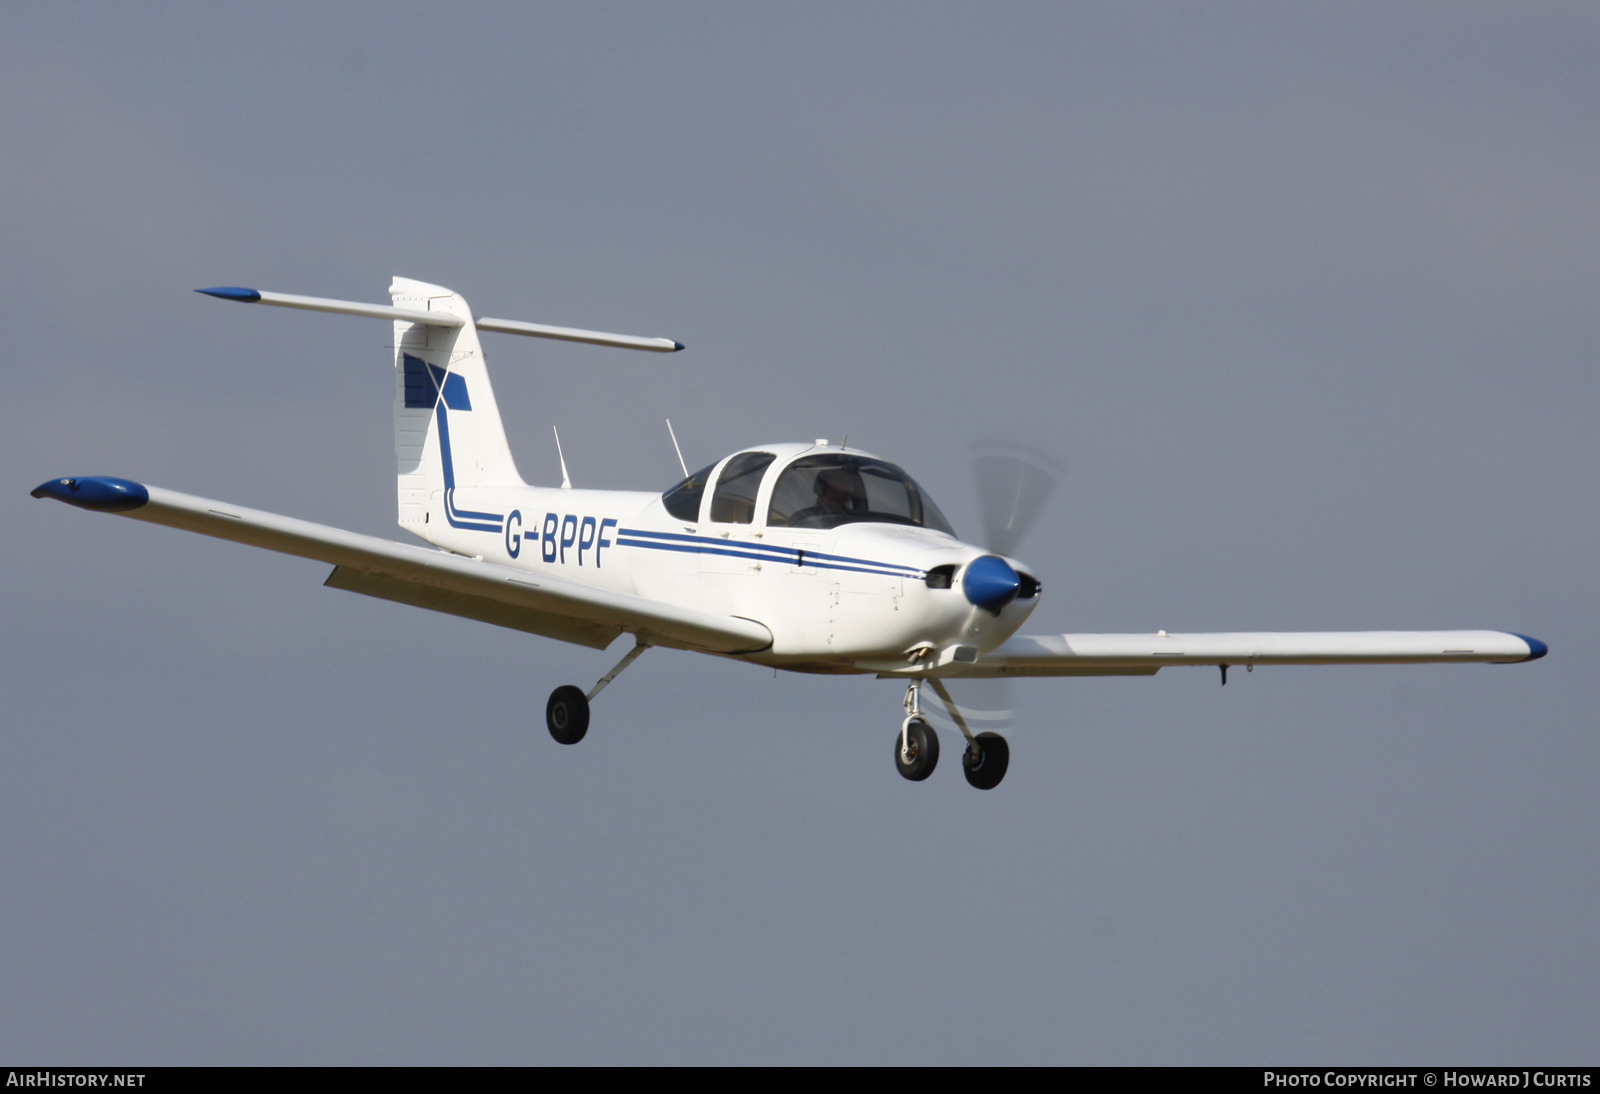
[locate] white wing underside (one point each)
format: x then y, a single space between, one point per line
564 610
1144 654
445 582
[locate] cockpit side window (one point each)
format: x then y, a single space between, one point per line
827 491
735 499
683 500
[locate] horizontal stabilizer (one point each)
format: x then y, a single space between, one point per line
572 334
442 319
335 307
444 582
1143 654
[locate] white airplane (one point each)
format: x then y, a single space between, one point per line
807 557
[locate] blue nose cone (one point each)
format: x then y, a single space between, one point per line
102 492
990 583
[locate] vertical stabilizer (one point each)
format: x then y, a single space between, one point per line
447 430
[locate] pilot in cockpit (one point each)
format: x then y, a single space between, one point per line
840 490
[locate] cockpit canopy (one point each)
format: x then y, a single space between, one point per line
816 491
829 490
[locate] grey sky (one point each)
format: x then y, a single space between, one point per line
1307 299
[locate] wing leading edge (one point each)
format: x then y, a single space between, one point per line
1145 654
424 577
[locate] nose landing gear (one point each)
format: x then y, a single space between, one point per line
916 752
916 749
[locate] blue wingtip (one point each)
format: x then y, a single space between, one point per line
102 492
228 292
1539 648
676 346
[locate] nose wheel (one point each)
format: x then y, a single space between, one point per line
916 750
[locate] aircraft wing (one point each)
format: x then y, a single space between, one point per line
424 577
1146 654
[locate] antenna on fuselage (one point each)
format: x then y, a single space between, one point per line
566 482
671 433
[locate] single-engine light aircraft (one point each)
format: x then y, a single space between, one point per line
806 557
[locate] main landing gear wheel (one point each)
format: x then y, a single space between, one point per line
566 715
986 760
920 754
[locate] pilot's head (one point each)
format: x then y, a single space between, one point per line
839 490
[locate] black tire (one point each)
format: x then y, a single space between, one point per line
985 761
923 744
566 715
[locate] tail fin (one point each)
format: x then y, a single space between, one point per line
447 431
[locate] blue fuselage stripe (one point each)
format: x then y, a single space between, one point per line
785 553
703 545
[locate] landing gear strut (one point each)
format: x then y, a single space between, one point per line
987 756
566 715
916 749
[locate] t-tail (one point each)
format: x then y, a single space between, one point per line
447 431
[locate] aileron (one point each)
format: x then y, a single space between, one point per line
1124 654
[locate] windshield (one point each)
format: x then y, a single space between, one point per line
827 491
